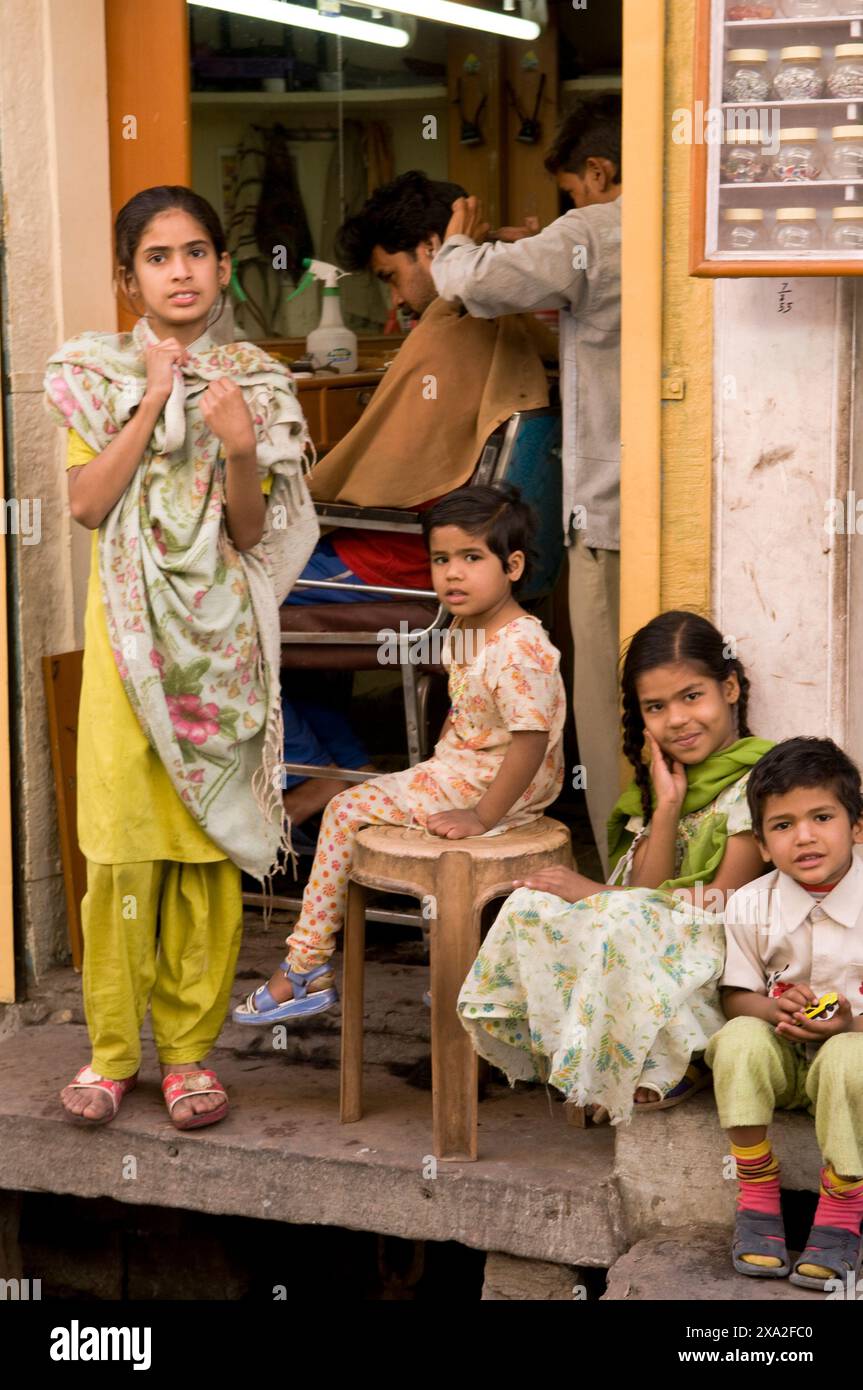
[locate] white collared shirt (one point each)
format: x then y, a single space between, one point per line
776 931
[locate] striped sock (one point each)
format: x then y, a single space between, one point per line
758 1190
840 1203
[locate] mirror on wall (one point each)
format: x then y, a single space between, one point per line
291 132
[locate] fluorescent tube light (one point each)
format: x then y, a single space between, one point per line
465 16
298 16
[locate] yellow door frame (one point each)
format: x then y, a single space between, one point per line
7 921
667 332
641 312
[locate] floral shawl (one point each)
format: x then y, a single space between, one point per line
193 623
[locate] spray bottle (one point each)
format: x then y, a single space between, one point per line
331 344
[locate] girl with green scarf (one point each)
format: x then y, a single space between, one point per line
187 460
608 991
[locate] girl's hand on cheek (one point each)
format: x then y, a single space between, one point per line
225 412
669 782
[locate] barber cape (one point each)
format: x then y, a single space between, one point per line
193 622
454 380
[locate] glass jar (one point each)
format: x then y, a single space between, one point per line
799 157
845 155
796 229
846 234
845 78
746 76
806 9
800 76
742 230
735 10
742 158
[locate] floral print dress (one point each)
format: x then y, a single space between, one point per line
512 684
606 994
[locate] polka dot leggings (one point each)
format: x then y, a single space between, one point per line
312 941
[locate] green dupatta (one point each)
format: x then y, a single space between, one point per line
705 781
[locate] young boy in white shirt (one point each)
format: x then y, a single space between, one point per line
793 936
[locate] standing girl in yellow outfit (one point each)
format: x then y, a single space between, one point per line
186 459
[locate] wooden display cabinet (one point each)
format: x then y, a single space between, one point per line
721 30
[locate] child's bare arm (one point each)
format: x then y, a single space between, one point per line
653 861
245 507
779 1009
225 412
95 487
515 774
738 1003
520 765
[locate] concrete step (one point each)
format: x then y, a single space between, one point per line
692 1265
541 1189
688 1143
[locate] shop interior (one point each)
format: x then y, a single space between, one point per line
291 130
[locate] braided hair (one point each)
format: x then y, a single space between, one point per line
672 637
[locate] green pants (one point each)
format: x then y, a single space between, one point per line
164 934
755 1071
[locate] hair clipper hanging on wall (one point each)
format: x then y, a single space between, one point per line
470 129
530 130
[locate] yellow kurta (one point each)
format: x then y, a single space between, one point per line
128 810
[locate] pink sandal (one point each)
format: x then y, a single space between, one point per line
179 1085
88 1079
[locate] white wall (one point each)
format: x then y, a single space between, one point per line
784 395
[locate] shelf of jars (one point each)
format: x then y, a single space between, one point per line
778 160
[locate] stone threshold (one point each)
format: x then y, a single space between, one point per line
540 1190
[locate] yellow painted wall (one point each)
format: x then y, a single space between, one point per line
666 482
687 354
641 317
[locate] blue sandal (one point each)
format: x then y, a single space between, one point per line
260 1009
832 1248
760 1233
696 1077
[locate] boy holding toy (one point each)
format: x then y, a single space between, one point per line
792 991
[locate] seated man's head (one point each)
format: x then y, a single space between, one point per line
585 154
396 234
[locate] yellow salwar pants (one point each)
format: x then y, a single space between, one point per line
161 933
755 1071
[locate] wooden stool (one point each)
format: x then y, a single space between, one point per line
456 879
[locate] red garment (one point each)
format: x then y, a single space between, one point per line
384 557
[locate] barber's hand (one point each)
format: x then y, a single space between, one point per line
530 228
467 220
